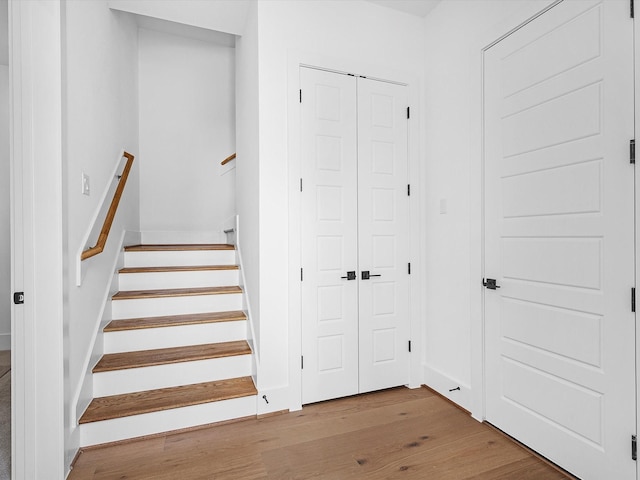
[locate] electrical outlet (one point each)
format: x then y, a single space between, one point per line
86 189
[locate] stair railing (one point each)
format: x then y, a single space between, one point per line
228 159
111 214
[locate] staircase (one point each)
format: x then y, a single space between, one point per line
175 353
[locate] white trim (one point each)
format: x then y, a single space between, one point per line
37 225
294 61
636 66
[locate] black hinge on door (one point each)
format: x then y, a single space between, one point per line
409 268
634 448
300 184
300 95
302 362
633 299
409 346
301 275
632 151
18 298
631 8
408 112
408 190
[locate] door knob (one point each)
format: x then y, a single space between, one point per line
366 275
351 275
490 283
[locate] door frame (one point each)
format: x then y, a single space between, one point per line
416 227
35 86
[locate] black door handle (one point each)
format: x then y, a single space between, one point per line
351 275
490 283
366 275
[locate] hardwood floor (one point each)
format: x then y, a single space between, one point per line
397 433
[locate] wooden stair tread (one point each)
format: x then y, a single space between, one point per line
164 356
175 292
182 268
116 406
178 247
173 320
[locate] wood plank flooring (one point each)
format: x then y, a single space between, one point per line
392 434
175 292
136 403
163 356
174 320
182 268
178 247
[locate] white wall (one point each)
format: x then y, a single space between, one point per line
187 126
5 233
100 119
247 163
455 33
352 33
5 238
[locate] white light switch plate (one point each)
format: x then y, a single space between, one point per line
86 189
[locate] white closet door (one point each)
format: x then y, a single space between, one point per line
329 236
559 213
383 210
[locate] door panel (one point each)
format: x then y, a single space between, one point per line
329 236
559 238
383 234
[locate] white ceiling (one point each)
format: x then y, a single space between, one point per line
415 7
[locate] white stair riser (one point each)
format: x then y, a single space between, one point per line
178 336
171 375
156 280
164 421
172 259
153 307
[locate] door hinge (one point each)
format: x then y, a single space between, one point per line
409 268
409 190
631 9
408 112
302 362
632 151
301 274
634 448
633 299
409 346
300 95
300 184
18 298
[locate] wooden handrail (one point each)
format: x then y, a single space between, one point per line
111 214
228 159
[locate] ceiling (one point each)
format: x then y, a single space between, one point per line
415 7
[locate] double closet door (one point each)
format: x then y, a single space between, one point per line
355 246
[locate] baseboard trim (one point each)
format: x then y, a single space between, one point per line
179 237
447 386
178 431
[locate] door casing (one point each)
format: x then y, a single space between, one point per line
416 229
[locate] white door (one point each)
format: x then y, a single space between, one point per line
383 212
355 327
559 237
329 236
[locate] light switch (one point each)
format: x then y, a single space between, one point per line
443 205
86 189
